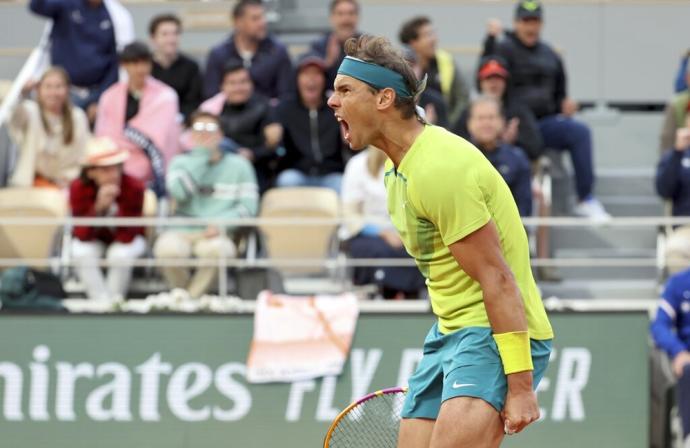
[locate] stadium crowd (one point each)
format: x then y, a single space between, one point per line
114 119
213 141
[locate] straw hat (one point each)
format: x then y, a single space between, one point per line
102 151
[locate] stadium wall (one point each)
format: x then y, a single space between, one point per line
614 49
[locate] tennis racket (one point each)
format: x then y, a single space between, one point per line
372 421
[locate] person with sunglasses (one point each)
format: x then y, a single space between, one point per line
208 183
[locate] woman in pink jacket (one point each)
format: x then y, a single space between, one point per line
141 115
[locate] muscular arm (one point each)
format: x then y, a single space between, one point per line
479 255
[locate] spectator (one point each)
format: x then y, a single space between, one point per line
85 39
141 116
50 133
681 83
675 116
430 100
522 128
247 119
344 21
369 232
172 67
264 56
671 333
443 75
205 183
538 80
103 190
673 183
311 134
485 124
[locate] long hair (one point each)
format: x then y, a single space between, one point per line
66 112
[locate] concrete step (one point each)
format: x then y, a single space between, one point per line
623 205
600 289
602 238
625 181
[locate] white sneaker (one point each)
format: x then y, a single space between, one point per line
592 209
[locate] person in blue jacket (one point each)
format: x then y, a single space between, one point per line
671 333
251 45
485 126
673 173
681 83
85 40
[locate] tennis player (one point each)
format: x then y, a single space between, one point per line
456 216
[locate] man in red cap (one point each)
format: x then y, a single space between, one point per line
521 127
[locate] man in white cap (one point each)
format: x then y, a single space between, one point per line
103 190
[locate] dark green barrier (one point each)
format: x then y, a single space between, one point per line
177 381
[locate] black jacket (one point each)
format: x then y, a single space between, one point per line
245 123
184 77
312 140
673 180
537 76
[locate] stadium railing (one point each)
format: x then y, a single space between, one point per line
333 262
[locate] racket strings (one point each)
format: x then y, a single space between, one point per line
371 424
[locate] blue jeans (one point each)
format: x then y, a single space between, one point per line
567 134
84 97
296 178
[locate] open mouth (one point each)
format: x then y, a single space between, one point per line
344 129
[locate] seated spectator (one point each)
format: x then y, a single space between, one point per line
522 128
205 183
673 183
538 80
368 230
50 134
681 83
344 21
671 333
311 134
444 77
675 116
104 190
84 40
430 100
485 125
141 116
173 67
247 119
264 56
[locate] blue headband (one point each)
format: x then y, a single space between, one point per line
375 75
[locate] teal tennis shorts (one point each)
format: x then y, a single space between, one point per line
464 363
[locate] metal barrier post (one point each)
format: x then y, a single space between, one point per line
222 263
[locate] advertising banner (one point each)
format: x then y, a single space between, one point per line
180 381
